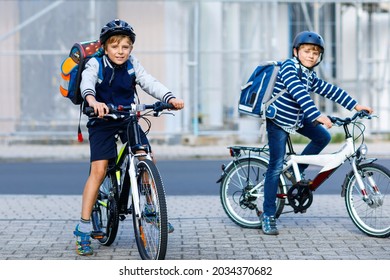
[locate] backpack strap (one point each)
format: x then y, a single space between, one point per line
269 102
131 70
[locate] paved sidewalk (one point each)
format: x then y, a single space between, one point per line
40 227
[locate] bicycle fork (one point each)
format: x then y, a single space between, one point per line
134 187
133 182
374 199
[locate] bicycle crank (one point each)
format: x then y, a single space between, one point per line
300 197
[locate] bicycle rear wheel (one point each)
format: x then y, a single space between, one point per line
373 215
151 229
105 214
242 192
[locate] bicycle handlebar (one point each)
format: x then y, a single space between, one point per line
116 112
339 121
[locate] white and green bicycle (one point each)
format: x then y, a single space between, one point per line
133 186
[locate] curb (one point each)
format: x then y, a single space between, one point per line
25 152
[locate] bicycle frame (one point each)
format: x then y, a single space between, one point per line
329 163
131 161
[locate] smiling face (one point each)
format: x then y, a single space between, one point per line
118 49
308 55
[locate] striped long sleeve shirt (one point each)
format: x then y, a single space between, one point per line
296 104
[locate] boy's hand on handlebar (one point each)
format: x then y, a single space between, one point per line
177 103
99 108
325 121
359 107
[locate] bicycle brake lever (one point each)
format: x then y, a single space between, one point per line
159 113
113 116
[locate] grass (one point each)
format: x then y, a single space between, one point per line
299 139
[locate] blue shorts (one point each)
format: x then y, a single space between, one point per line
102 138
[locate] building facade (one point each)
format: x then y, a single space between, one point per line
202 50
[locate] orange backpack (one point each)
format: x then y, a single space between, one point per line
72 67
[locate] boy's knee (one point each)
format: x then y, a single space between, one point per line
323 139
326 139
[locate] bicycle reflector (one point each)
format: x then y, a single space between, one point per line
234 152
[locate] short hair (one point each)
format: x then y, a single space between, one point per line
315 47
116 39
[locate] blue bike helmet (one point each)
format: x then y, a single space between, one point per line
116 27
308 37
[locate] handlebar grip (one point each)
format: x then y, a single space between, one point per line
89 111
332 119
364 113
160 106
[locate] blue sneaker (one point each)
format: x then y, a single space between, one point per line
151 217
268 225
83 242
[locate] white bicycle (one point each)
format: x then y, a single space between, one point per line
365 187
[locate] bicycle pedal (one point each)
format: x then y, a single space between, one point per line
97 234
122 217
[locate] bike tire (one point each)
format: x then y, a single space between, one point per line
151 230
371 218
242 208
105 215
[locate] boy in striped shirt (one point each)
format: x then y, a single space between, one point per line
297 113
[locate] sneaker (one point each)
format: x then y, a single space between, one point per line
268 225
83 242
170 228
151 217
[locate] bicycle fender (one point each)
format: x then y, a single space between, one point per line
221 178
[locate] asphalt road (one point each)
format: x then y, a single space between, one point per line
180 177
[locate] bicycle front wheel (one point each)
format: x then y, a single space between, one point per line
151 229
242 192
372 215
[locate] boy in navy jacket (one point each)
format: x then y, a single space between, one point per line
111 79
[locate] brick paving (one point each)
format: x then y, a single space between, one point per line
40 228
